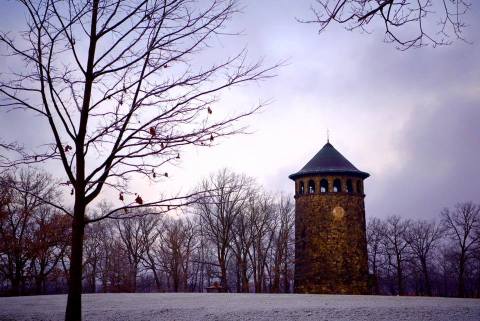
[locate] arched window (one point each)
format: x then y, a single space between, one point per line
349 186
311 187
323 186
301 188
337 185
359 187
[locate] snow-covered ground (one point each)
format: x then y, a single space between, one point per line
258 307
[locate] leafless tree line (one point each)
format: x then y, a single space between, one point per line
248 233
33 235
235 235
420 257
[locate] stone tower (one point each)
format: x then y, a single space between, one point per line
330 237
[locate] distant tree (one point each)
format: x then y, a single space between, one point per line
118 271
177 240
461 224
406 23
204 258
151 228
282 248
225 194
375 239
446 263
102 251
261 210
93 252
241 244
396 248
135 235
119 86
423 237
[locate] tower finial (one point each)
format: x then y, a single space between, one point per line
328 136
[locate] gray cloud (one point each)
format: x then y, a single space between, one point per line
440 163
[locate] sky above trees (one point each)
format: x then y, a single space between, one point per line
409 118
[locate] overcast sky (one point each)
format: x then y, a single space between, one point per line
410 119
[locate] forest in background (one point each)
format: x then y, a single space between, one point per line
234 235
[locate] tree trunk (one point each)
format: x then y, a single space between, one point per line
259 278
74 300
104 280
244 277
376 287
461 273
400 277
286 281
223 271
133 276
15 286
39 285
478 281
158 283
94 278
237 279
17 278
428 287
275 284
276 279
175 279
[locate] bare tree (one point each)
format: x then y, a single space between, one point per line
375 240
104 254
260 209
282 251
218 208
406 23
396 247
446 263
135 234
241 243
176 244
150 230
461 225
130 238
423 237
93 252
204 258
119 86
118 270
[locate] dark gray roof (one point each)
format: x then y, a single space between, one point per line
329 161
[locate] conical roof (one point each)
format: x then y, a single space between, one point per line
329 161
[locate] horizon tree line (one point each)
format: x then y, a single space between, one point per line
235 235
426 257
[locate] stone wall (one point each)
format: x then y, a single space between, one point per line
330 249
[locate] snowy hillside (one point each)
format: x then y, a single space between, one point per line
203 307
